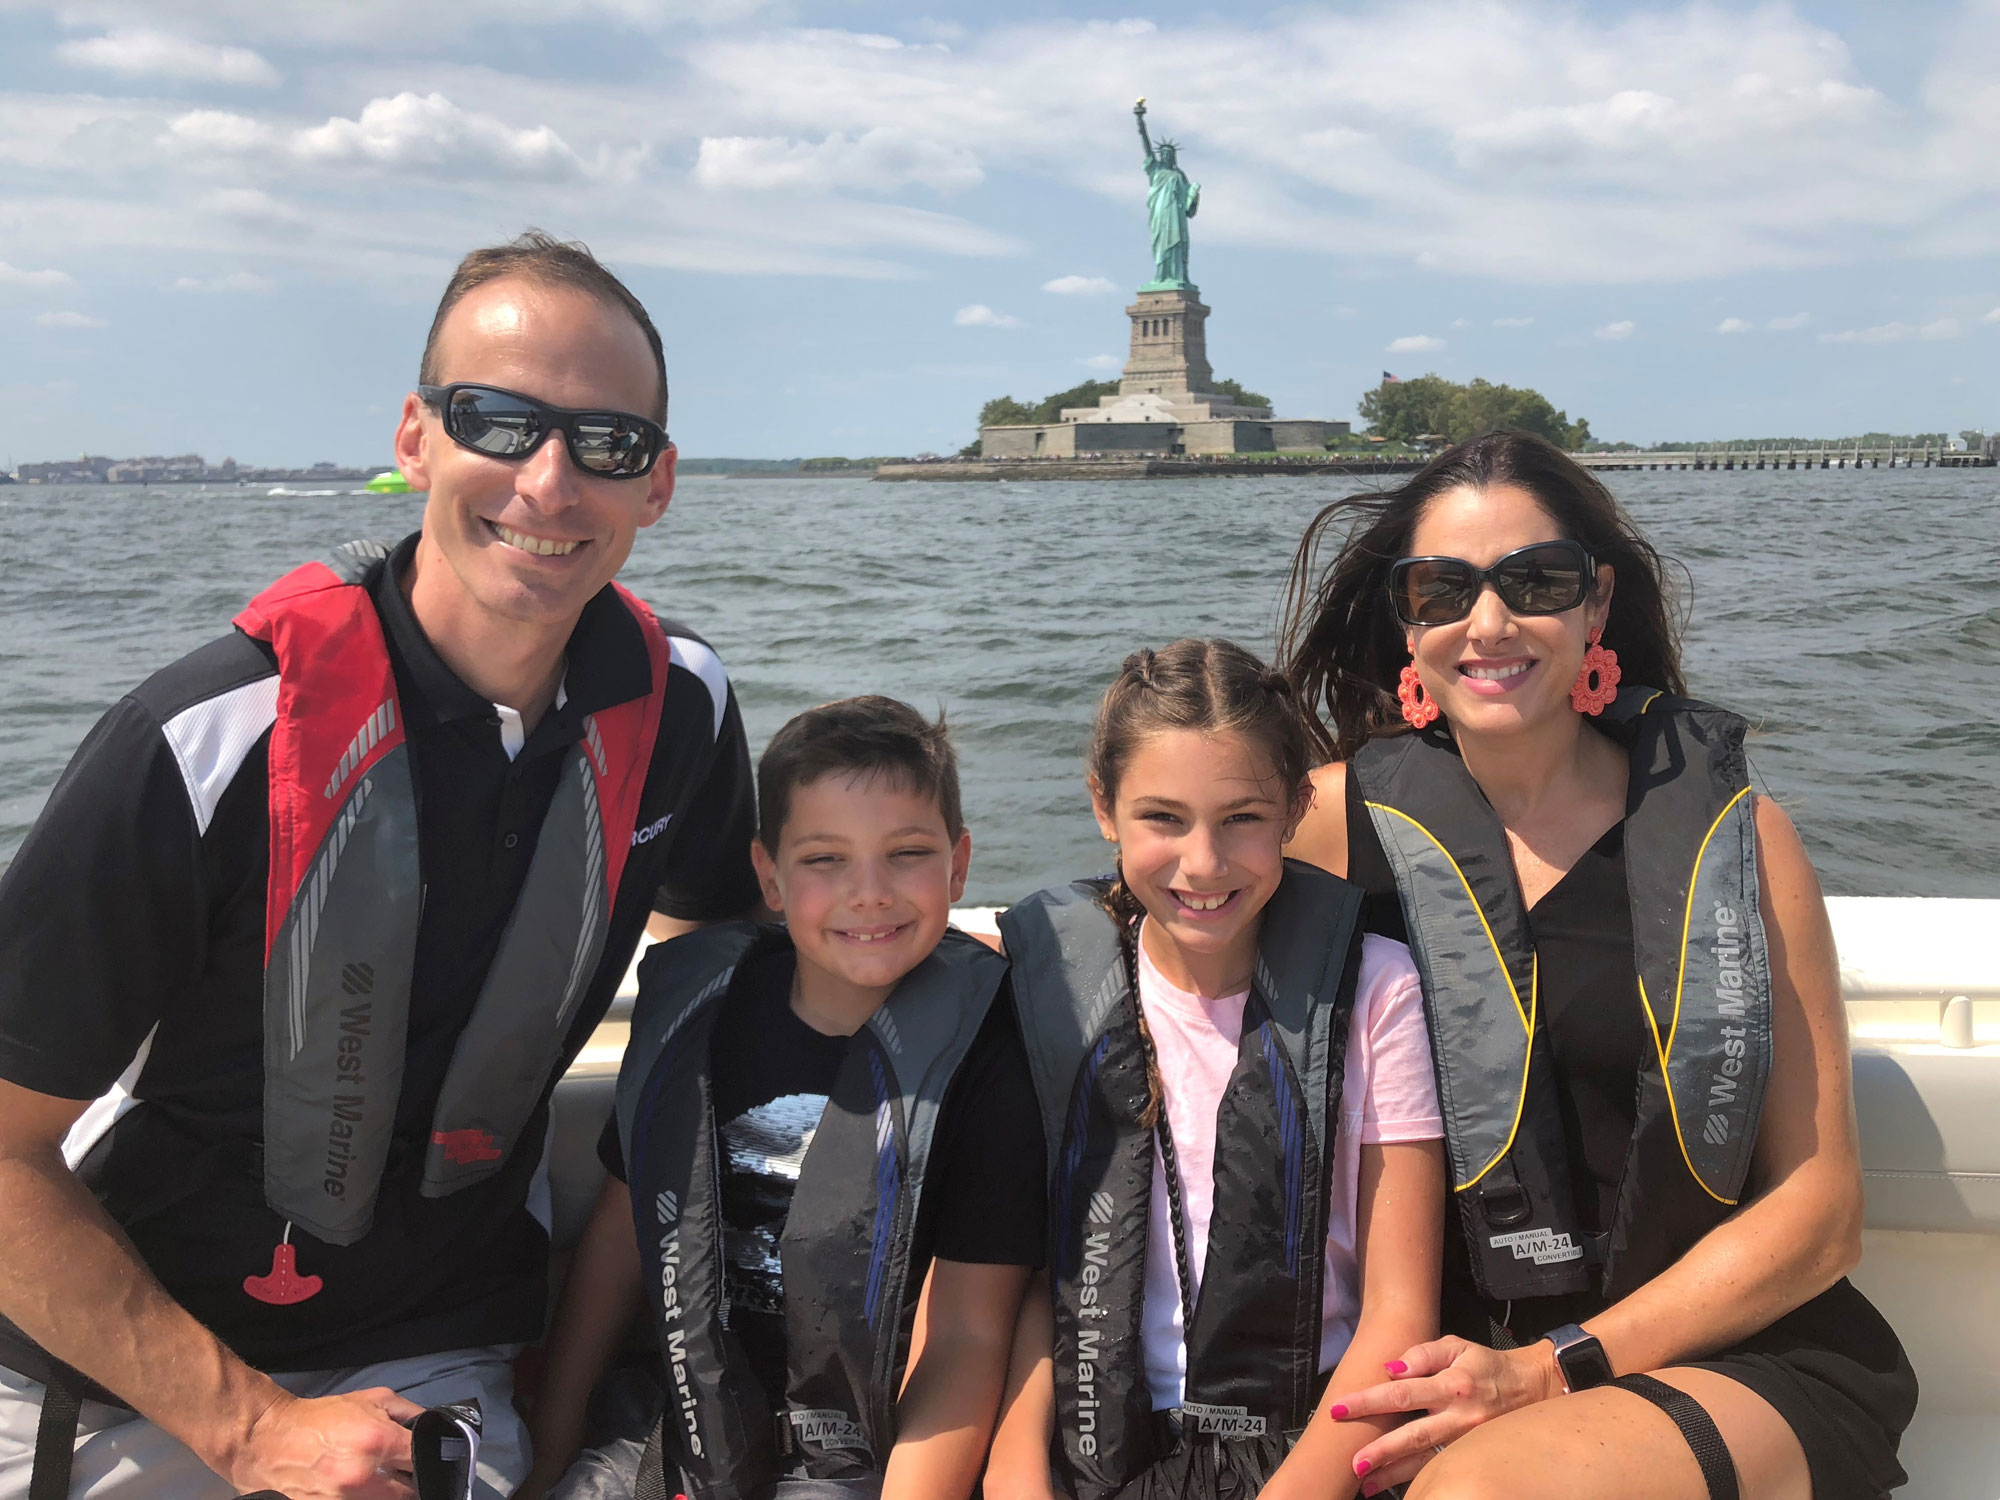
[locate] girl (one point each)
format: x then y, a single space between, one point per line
1634 1005
1245 1180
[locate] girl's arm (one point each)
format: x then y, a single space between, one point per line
599 1298
1398 1213
1018 1466
945 1416
1797 1236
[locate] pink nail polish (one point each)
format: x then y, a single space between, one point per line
1362 1466
1337 1411
1370 1489
1396 1367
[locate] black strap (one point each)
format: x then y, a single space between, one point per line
55 1438
651 1483
1128 942
1718 1469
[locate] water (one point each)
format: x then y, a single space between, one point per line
1854 616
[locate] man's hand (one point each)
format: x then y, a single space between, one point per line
351 1447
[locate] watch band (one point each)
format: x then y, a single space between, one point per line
1580 1358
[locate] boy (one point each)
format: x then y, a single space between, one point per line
809 1119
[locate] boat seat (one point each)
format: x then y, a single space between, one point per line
1930 1136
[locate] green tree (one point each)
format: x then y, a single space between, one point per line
1430 404
1404 409
1239 396
1051 408
1005 411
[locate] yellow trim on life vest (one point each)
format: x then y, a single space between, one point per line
1673 1109
1527 1019
1526 1014
1687 922
1527 1060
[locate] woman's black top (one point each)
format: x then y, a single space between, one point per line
1832 1367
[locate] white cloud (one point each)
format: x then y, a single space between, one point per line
884 159
1789 323
1104 362
1414 343
1992 317
429 131
1512 322
1460 323
1511 140
141 53
234 281
252 206
1081 286
1623 329
1734 325
13 276
68 320
218 130
1896 333
979 315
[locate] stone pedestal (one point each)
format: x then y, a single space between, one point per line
1169 345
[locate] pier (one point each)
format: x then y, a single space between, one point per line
1022 470
1768 456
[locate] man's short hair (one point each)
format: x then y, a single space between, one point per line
543 259
867 736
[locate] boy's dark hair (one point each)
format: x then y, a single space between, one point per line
866 736
537 256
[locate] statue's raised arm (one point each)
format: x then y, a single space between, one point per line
1139 112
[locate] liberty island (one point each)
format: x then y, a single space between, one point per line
1166 405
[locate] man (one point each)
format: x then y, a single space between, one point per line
319 913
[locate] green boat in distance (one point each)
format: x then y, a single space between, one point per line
388 482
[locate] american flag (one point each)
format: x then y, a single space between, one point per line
1388 379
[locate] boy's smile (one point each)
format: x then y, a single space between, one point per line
864 876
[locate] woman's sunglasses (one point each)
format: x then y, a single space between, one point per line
506 424
1544 579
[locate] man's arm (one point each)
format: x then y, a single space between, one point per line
75 1285
945 1418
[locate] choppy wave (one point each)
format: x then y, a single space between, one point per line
1854 616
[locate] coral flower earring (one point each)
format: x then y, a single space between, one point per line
1419 708
1597 683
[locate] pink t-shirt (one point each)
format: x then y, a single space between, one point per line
1387 1094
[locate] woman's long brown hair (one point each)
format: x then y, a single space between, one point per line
1341 644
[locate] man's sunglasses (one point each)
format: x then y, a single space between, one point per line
506 424
1544 579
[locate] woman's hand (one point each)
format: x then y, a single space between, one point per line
1458 1385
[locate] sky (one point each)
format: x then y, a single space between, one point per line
224 224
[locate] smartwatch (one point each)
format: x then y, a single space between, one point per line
1580 1358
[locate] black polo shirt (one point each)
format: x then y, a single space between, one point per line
131 968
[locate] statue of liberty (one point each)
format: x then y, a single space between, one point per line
1171 201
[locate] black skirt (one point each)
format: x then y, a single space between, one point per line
1837 1374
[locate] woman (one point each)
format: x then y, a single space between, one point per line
1634 1008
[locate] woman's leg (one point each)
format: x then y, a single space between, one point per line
1610 1444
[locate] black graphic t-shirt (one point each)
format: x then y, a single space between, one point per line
772 1074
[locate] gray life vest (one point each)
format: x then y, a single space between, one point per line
1704 983
846 1244
344 899
1253 1336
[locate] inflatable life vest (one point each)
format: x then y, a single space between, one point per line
1704 982
346 891
1253 1338
846 1245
